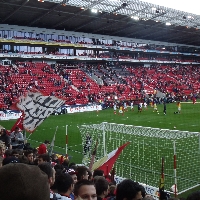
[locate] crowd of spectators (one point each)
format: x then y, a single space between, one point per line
76 83
36 174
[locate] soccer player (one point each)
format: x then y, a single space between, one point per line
115 108
132 108
125 107
155 109
164 110
139 107
194 100
145 105
121 110
179 107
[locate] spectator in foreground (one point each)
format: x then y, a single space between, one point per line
85 189
46 168
129 190
102 186
64 185
194 196
98 172
21 181
43 158
82 173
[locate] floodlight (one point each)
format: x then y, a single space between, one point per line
94 10
135 17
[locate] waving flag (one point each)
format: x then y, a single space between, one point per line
36 108
106 163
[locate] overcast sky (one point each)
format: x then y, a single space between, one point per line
191 6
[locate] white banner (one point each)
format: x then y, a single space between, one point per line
9 115
83 108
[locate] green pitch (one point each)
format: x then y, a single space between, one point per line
188 120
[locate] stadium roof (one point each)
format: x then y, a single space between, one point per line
124 18
191 6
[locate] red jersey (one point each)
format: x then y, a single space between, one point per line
42 149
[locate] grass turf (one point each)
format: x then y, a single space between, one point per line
187 120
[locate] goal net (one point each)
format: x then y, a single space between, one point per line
141 159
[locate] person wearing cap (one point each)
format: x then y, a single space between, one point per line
72 173
43 147
21 181
17 139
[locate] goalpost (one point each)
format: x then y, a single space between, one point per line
141 160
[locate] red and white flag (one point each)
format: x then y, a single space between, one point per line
106 163
18 123
36 108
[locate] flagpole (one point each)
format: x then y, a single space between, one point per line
161 186
66 147
52 142
175 178
93 156
104 139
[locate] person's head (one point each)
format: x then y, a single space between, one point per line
8 153
194 196
72 173
149 197
29 154
47 168
15 153
22 181
102 186
143 191
85 190
46 142
66 163
2 149
3 131
11 159
64 184
43 158
112 189
82 173
16 129
98 172
128 190
54 158
23 159
59 168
